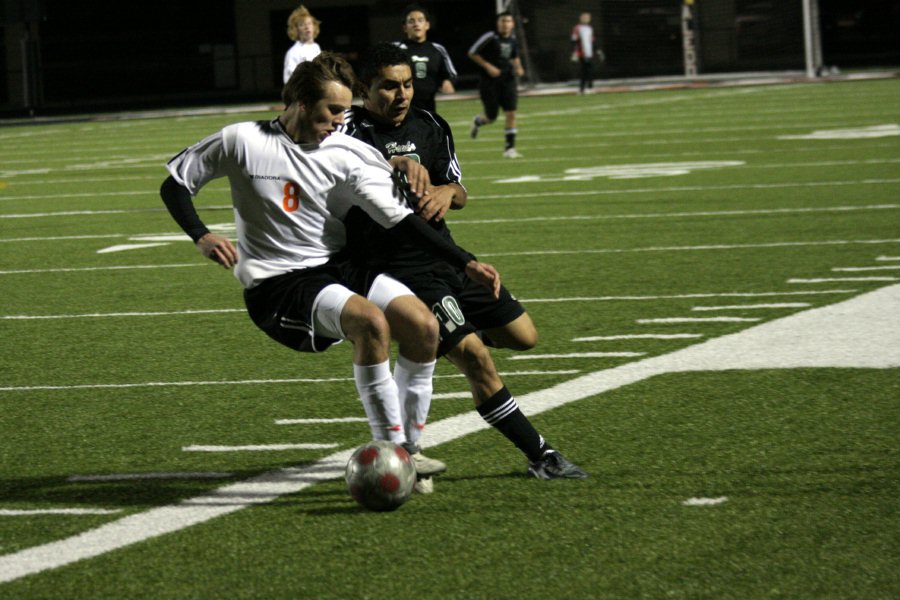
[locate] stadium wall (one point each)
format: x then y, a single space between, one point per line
104 55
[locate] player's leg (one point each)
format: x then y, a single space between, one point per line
499 409
416 331
491 105
341 314
519 334
509 101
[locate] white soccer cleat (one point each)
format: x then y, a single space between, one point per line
424 486
511 153
426 467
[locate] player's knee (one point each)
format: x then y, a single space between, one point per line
368 324
524 340
476 359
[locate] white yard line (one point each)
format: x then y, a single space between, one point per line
117 315
148 476
113 386
861 269
698 320
842 279
576 355
320 421
639 336
258 447
9 512
887 258
753 306
852 334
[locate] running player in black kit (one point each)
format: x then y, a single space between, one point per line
497 53
431 65
420 144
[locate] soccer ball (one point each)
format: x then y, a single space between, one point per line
380 475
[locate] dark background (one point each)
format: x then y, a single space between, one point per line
61 55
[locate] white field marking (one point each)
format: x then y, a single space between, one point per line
451 395
630 171
104 386
61 237
753 306
849 334
842 279
81 195
110 268
639 336
859 269
124 247
705 501
698 320
576 355
690 248
853 133
7 512
685 296
887 258
526 300
117 315
148 476
786 165
718 213
317 421
258 448
687 188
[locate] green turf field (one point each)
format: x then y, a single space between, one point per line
714 274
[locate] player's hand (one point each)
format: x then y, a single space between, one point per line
219 249
493 71
436 203
416 174
486 275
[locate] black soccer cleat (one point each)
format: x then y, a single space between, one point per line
553 465
474 131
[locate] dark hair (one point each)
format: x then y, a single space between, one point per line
307 83
506 13
416 8
379 56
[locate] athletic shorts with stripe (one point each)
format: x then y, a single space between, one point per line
461 305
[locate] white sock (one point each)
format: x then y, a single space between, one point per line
414 386
378 393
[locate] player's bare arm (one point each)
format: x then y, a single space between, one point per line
517 66
486 275
440 199
488 67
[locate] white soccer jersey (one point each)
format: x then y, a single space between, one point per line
289 199
297 54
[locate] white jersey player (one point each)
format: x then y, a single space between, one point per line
303 29
292 180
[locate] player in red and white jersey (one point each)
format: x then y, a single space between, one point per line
292 181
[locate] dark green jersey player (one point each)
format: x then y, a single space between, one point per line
420 144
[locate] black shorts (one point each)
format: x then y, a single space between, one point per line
461 305
498 93
282 306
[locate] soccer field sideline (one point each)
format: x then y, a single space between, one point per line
850 334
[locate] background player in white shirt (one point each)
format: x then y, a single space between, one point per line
303 28
292 181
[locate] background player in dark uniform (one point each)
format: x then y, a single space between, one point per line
431 65
421 144
497 53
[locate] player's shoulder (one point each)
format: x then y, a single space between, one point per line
429 119
341 143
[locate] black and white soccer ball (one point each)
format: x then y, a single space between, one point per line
380 475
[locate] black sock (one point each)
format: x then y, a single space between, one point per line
501 411
510 138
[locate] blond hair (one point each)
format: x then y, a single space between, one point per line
300 13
